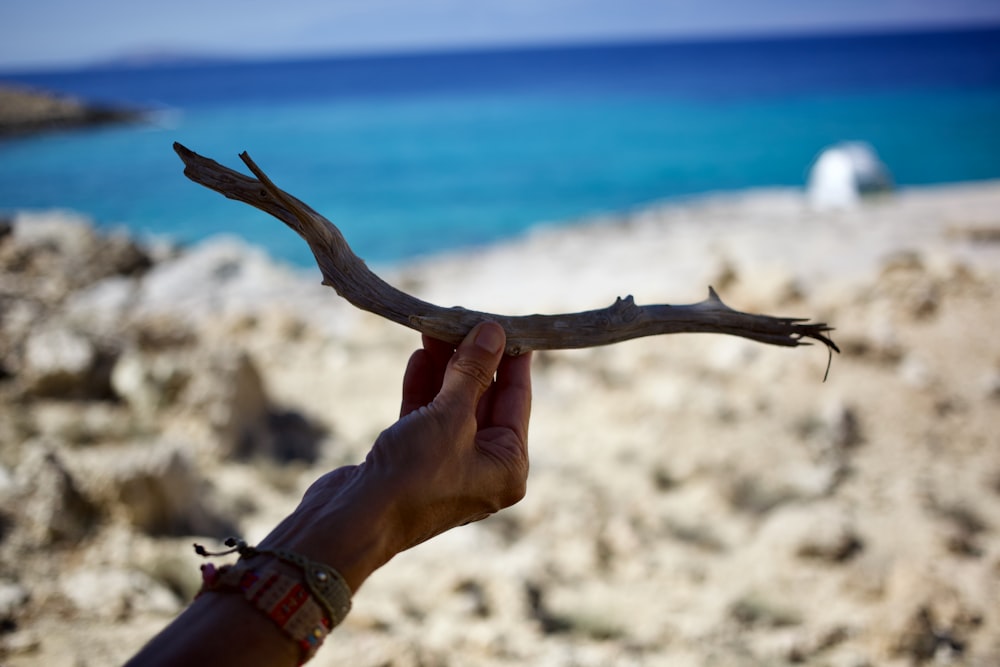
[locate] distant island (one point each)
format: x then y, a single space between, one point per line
151 58
25 111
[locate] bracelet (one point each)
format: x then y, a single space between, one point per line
305 599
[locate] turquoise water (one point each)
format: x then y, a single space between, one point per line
427 158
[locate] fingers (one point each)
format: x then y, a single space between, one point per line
470 374
424 373
439 351
511 406
471 370
417 381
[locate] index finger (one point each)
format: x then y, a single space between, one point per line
511 400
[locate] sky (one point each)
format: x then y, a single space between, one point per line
39 34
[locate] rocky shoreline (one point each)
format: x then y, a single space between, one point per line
26 112
693 500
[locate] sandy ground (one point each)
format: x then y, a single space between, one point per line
693 500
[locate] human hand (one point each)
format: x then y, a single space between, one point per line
460 449
457 454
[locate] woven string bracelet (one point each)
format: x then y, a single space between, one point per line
306 600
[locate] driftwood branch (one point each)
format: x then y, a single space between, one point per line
352 279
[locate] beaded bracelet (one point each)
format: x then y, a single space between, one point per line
306 600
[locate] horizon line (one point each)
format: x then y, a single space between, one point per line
167 57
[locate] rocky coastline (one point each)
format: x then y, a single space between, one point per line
693 500
24 111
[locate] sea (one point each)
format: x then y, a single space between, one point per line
416 154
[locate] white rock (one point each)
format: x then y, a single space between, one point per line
50 508
112 594
102 306
13 596
224 277
843 173
154 486
65 230
6 481
916 373
148 382
57 360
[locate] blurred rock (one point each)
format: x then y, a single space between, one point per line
110 594
220 277
51 508
830 542
24 111
832 434
991 384
63 252
235 402
693 499
80 422
102 308
220 388
820 532
13 597
759 611
59 362
6 481
930 620
293 436
843 173
843 427
19 643
150 382
154 486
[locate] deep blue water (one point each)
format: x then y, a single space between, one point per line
416 154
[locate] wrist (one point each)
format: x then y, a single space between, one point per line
354 530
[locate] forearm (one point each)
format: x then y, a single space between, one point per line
219 630
354 534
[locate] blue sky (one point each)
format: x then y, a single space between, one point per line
48 33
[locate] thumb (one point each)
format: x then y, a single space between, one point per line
470 371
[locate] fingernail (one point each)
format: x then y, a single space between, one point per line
490 339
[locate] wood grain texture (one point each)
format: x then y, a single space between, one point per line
352 279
